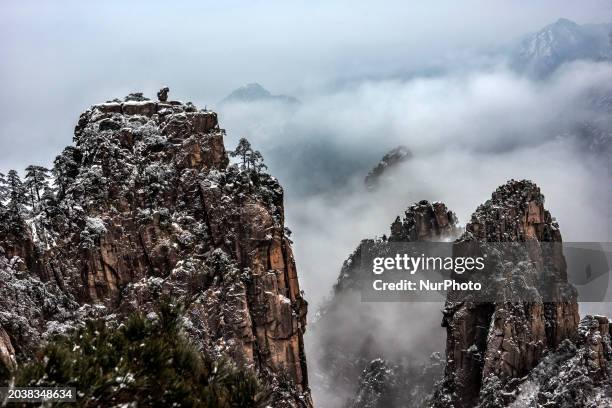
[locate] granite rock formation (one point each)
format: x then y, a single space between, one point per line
147 205
384 385
361 341
422 221
501 341
162 94
576 374
512 351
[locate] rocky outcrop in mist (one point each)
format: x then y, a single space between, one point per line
375 354
492 347
512 351
146 206
383 385
392 159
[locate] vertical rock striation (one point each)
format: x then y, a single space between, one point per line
425 221
503 340
148 205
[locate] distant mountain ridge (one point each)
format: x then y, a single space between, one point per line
254 92
541 53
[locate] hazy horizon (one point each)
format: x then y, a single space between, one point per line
60 60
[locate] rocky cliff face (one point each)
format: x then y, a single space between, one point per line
575 374
391 160
375 354
383 384
502 341
148 205
512 351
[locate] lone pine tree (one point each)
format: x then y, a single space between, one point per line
3 192
243 151
17 198
36 179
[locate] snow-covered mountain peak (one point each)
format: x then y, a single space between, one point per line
540 53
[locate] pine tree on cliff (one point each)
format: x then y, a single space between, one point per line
17 198
48 200
48 210
255 161
244 151
251 159
36 180
66 169
3 190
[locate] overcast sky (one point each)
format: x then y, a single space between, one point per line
57 58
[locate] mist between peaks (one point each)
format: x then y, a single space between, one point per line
412 264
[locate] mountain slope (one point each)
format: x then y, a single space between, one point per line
539 54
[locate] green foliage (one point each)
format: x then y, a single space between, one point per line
4 191
146 362
66 169
36 180
251 159
243 151
16 192
12 204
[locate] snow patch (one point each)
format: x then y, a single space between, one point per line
96 225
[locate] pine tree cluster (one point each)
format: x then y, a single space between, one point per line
32 198
145 361
249 159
